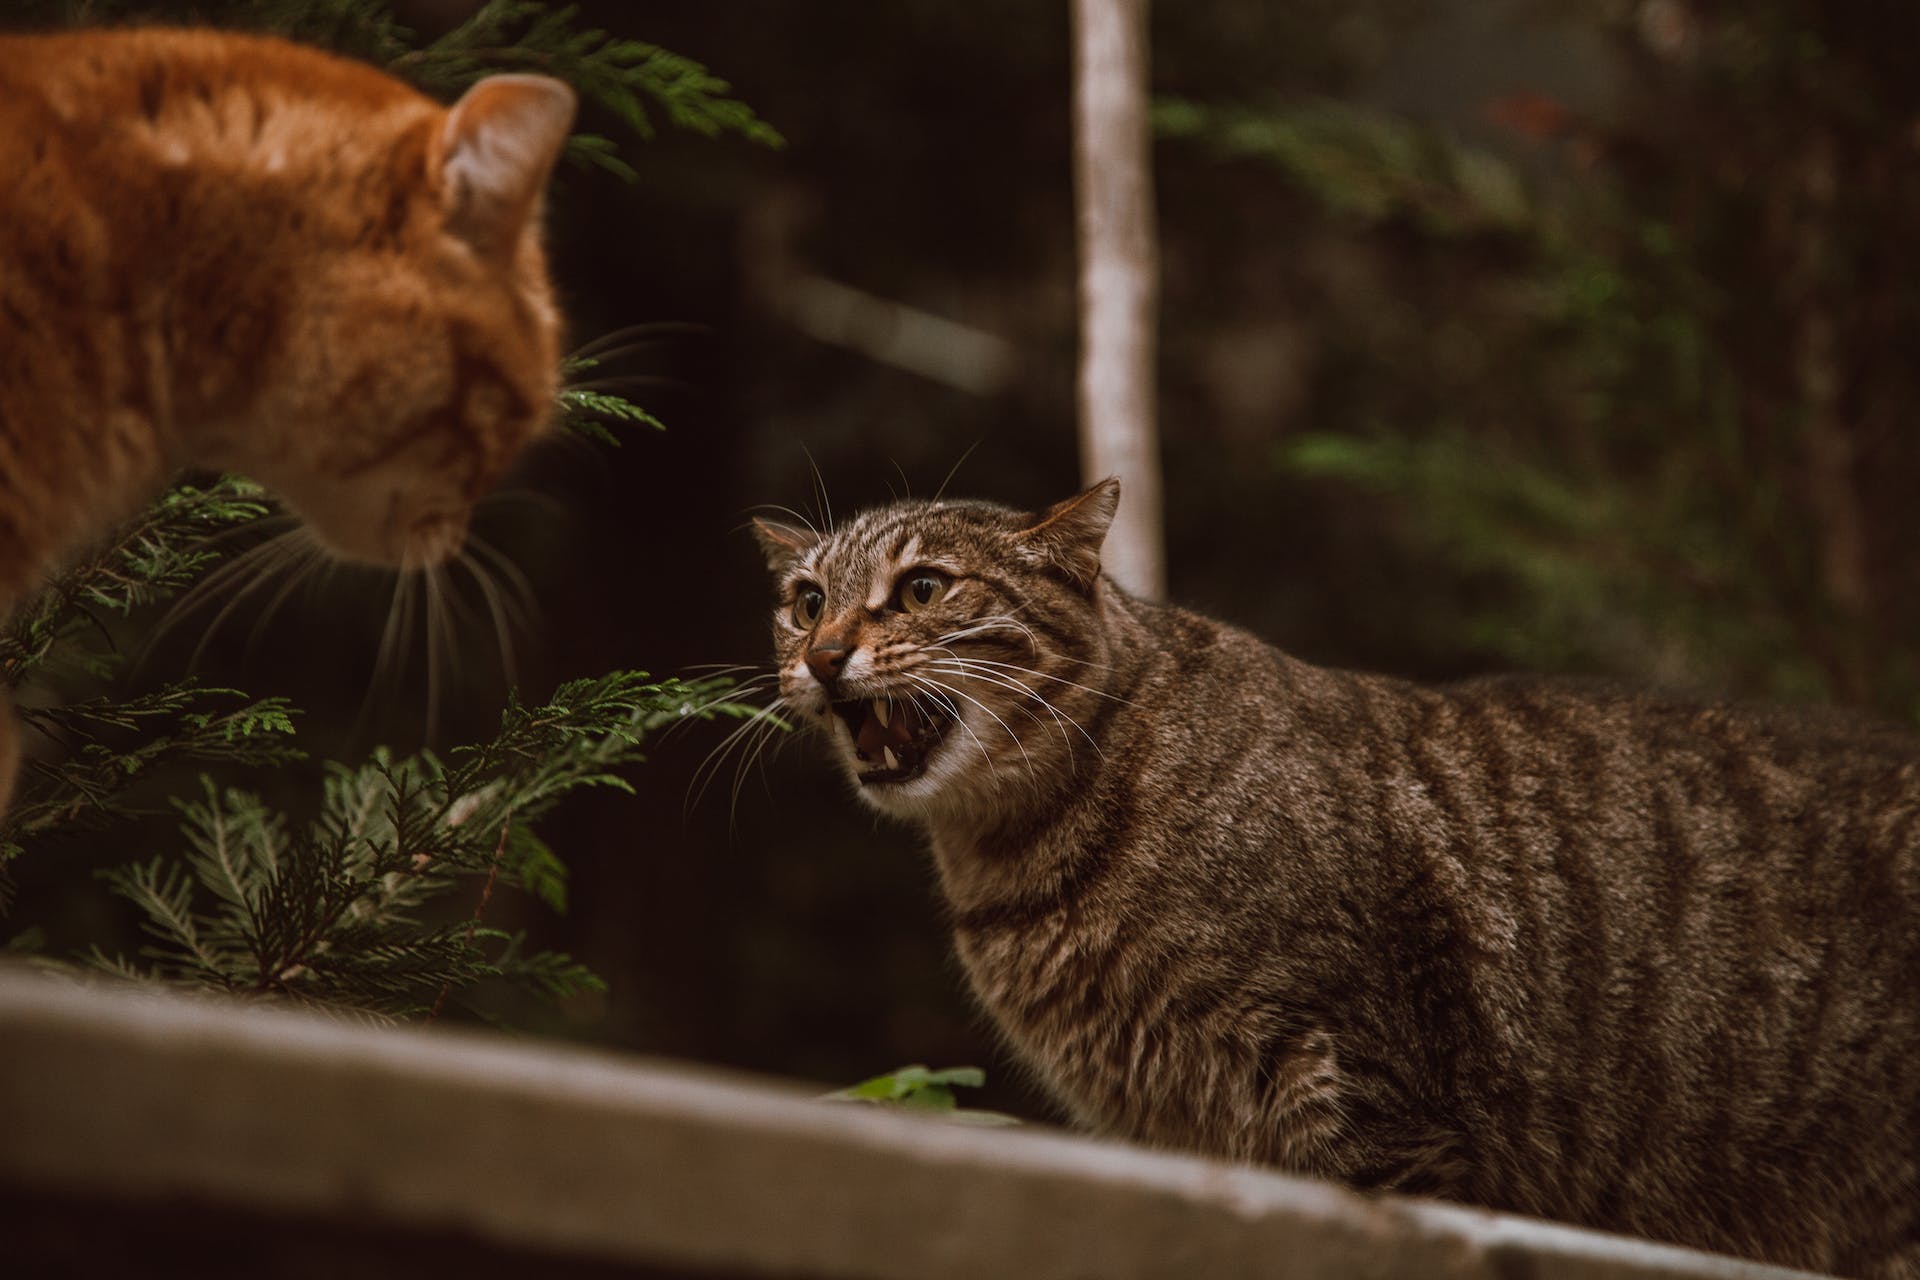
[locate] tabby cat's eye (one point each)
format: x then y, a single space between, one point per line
807 603
922 588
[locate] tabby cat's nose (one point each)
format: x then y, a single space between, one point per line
825 660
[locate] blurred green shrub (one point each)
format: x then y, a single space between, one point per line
1653 376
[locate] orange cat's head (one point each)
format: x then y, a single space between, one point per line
389 297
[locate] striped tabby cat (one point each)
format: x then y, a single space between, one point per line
1622 960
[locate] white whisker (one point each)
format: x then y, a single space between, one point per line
258 565
984 626
940 694
766 719
1061 719
1006 728
789 511
1037 674
820 487
439 636
297 567
497 613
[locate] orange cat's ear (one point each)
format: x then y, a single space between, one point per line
782 544
497 150
1068 534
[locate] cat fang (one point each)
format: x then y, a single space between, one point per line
897 733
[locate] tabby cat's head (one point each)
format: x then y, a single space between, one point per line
945 648
392 339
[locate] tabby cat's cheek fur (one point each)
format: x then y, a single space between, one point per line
1614 958
231 252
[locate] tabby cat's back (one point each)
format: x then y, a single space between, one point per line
233 252
1596 955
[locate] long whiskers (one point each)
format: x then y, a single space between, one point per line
439 638
988 625
965 667
944 687
221 576
777 509
946 652
820 488
754 733
300 568
498 562
500 611
634 338
254 569
954 470
942 695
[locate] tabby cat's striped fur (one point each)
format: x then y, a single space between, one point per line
1607 957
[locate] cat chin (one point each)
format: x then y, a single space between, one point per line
415 542
943 790
911 800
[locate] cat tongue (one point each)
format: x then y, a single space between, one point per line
895 733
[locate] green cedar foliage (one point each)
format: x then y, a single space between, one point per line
336 912
376 903
1640 381
632 80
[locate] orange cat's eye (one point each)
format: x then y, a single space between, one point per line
921 588
808 601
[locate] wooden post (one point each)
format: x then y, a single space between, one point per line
1119 281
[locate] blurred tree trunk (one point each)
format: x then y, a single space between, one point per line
1119 281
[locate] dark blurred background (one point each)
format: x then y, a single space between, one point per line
1575 337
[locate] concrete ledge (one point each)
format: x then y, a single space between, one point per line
132 1101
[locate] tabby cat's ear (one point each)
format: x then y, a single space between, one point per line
782 544
1068 534
497 150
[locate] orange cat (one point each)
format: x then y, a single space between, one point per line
231 252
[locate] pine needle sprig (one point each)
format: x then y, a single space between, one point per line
150 558
586 409
633 80
621 75
349 910
183 721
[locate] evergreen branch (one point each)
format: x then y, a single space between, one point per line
1368 165
180 722
618 74
479 910
164 891
149 558
361 28
330 914
586 409
553 975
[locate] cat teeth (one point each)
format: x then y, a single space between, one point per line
887 754
882 711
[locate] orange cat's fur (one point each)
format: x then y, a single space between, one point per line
233 252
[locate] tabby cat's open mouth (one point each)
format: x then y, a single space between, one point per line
892 737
